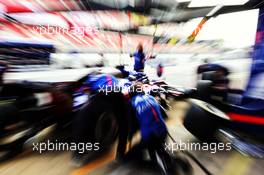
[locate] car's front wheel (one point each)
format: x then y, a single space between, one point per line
203 120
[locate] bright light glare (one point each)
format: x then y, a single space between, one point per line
209 3
234 32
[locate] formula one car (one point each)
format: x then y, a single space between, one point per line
220 113
236 116
32 110
103 126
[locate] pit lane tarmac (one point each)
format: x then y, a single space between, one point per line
58 163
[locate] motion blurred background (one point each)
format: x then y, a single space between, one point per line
61 40
40 34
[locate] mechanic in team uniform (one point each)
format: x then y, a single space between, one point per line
103 96
152 126
139 58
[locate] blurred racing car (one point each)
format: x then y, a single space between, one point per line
219 113
236 116
30 111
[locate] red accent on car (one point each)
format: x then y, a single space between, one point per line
246 118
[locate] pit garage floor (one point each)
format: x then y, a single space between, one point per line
59 163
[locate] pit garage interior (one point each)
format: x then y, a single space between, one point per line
39 42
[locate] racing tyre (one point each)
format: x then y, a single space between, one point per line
106 128
97 123
203 120
204 89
